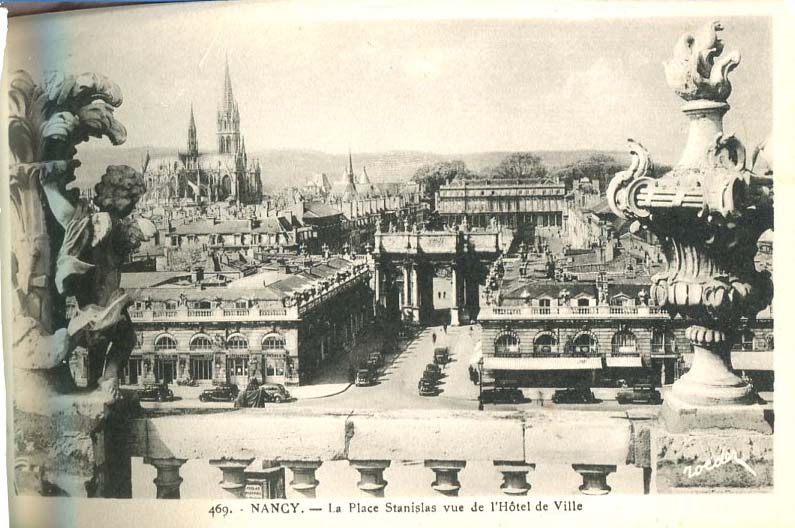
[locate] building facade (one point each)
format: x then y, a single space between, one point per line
510 204
553 333
281 332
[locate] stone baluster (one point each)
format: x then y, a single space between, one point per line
514 476
594 478
232 469
372 476
446 472
304 482
168 479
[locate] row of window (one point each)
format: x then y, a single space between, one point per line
624 342
202 342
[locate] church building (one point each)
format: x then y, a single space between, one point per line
226 175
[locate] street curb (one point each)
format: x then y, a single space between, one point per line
326 395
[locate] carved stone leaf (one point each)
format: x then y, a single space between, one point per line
96 119
59 127
21 136
91 86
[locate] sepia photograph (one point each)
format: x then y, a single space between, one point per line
307 262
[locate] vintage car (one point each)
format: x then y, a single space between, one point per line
441 355
502 395
364 378
257 395
426 387
639 393
574 395
376 359
155 392
224 392
432 372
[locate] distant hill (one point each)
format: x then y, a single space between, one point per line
284 168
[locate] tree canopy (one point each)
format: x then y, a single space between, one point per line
434 175
519 166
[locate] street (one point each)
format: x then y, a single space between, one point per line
396 386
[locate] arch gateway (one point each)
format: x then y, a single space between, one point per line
432 276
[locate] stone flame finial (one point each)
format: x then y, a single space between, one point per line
697 70
708 213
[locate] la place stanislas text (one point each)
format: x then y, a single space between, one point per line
474 507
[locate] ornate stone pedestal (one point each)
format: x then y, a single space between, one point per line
77 450
679 417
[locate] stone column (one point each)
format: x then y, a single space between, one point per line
168 479
446 472
232 469
377 284
415 292
514 476
304 482
454 321
406 286
372 476
594 478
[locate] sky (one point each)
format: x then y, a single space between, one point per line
445 86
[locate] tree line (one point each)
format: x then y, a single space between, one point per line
524 167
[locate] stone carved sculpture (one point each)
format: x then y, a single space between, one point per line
62 246
708 213
697 69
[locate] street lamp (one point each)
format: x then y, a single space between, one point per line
480 384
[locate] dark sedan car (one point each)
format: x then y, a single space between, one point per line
155 392
574 395
432 372
641 393
426 387
502 395
226 392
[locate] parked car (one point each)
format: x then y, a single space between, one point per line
258 395
441 355
187 382
639 393
276 392
376 358
502 395
364 378
155 392
426 387
574 395
224 392
432 372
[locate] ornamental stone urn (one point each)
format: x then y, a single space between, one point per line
708 213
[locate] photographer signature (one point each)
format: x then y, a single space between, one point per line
728 455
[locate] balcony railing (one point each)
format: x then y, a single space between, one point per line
576 312
219 314
594 445
247 314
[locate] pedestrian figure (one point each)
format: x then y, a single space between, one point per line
433 338
541 398
444 327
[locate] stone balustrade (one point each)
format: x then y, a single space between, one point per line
573 312
437 242
591 444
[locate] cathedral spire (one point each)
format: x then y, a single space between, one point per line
193 144
350 167
229 98
228 117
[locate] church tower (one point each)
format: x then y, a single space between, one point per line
228 119
193 143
